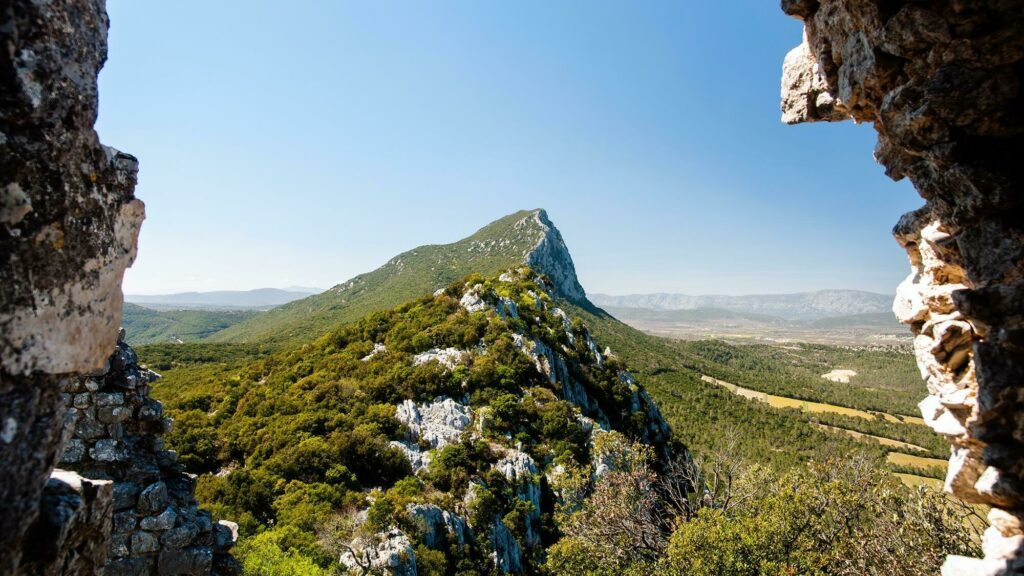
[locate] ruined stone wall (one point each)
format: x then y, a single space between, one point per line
942 83
68 228
116 431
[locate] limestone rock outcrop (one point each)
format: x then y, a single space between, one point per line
388 553
941 82
68 227
115 429
552 256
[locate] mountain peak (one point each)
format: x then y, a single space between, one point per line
543 248
527 237
551 256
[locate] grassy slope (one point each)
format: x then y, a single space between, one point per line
146 326
415 273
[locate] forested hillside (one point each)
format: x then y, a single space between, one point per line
148 326
484 430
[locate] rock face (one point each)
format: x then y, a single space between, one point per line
390 553
68 228
439 525
70 536
438 423
523 474
551 256
115 430
942 84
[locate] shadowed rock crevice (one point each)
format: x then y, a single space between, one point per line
942 84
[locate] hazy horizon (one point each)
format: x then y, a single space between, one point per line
309 145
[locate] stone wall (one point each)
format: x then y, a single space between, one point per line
116 431
941 81
68 228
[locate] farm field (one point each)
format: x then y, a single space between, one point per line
901 459
785 402
880 439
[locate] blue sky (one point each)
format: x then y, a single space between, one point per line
307 144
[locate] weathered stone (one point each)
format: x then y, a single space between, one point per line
125 522
144 543
109 399
941 82
388 552
74 451
105 450
126 495
119 546
225 534
436 423
153 498
88 427
73 526
189 561
181 536
127 567
522 473
113 414
164 521
440 526
224 565
70 224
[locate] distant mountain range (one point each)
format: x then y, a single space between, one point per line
223 299
799 306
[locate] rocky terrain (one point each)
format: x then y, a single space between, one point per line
941 83
469 418
69 221
547 410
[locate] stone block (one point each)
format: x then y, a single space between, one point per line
154 498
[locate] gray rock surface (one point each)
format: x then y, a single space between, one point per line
523 474
440 525
941 82
72 529
68 227
387 553
551 256
438 423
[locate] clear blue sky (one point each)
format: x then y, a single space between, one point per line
302 143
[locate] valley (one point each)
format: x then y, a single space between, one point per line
876 328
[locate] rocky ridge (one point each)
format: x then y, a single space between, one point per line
444 421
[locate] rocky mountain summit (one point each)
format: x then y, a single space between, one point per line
526 237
